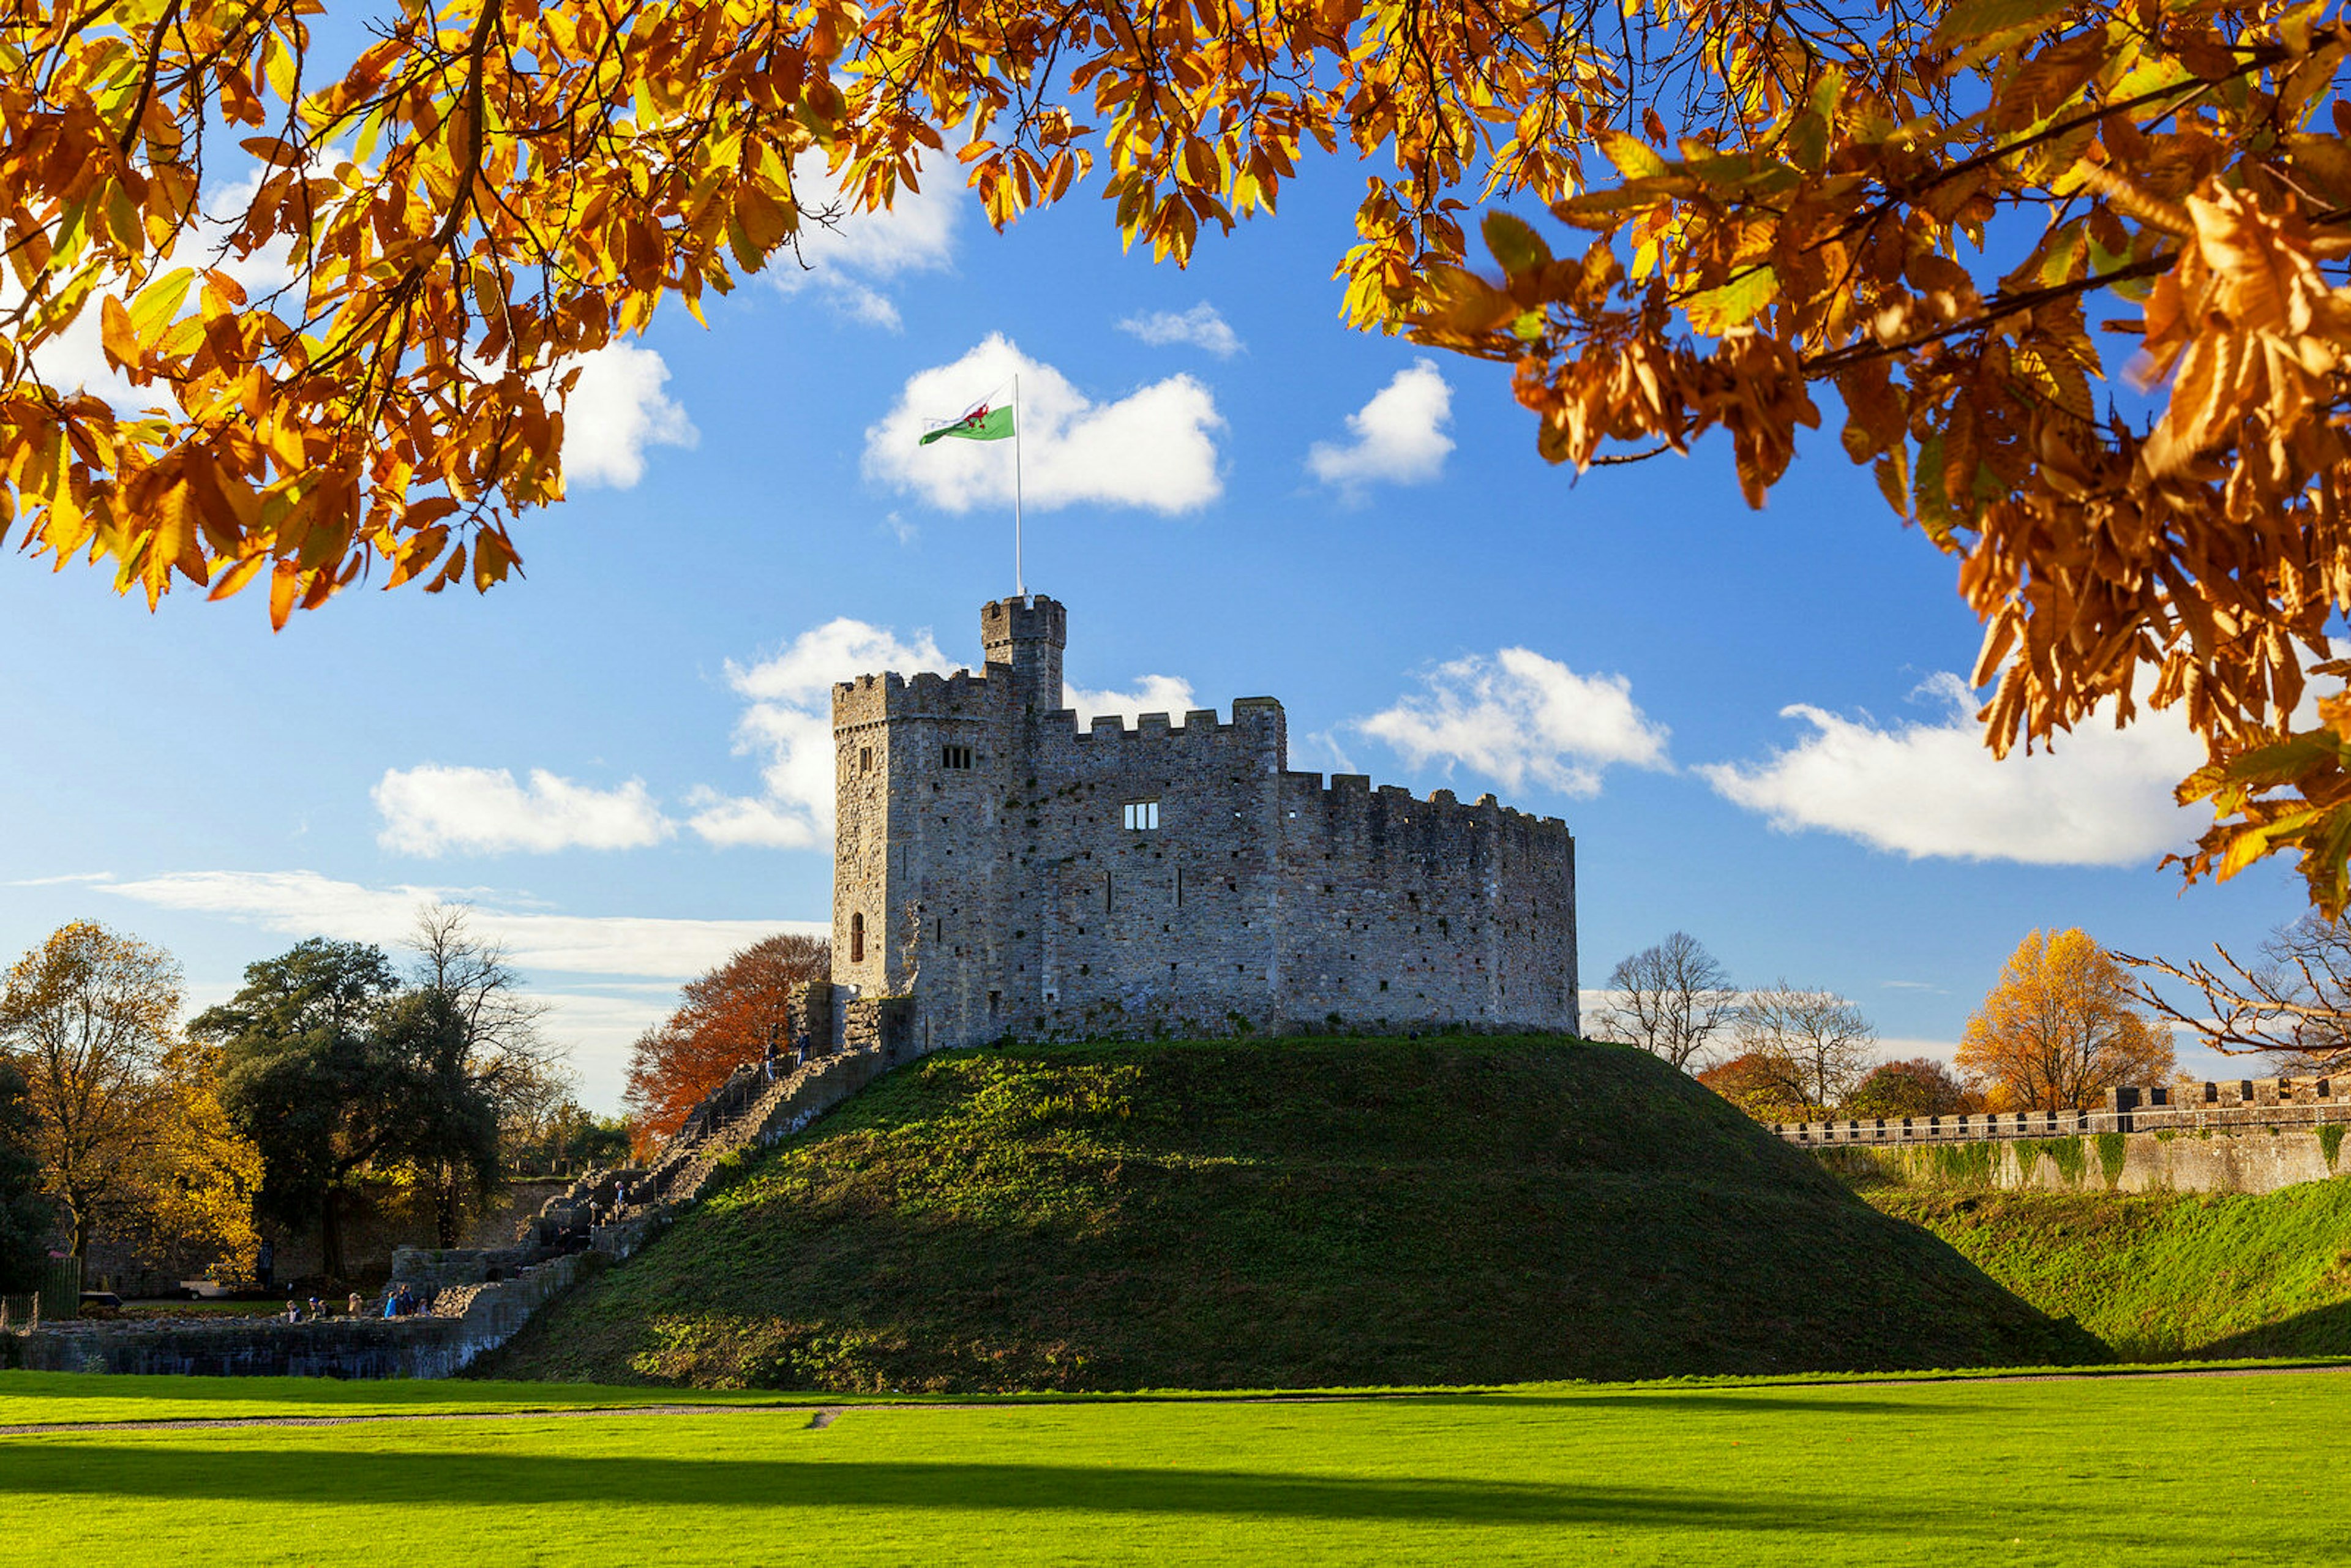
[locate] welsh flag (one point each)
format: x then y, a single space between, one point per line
982 423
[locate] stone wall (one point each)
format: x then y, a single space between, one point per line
365 1347
1017 873
2251 1134
2239 1159
1401 911
2234 1104
882 1026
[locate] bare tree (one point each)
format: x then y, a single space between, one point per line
1669 999
1815 1045
488 1051
505 1053
2293 1007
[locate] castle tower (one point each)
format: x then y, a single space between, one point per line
1003 867
1028 634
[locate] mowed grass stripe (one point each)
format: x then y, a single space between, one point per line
2189 1470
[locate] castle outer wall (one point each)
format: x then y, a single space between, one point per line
1017 874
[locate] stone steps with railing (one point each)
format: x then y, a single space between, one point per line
746 1112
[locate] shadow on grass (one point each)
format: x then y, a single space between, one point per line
2321 1330
326 1391
374 1479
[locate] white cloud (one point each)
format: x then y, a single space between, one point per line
1154 693
600 1029
1151 448
304 903
1200 327
431 811
789 722
2099 797
1520 716
846 254
617 409
1398 437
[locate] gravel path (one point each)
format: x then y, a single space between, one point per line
818 1416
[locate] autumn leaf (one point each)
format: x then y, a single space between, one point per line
1736 303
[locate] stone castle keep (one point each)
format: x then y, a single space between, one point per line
1010 874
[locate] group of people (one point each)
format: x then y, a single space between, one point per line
318 1308
403 1301
400 1301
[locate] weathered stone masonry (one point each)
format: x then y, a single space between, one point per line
1013 873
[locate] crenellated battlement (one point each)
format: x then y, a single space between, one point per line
877 699
1353 794
2225 1104
1200 724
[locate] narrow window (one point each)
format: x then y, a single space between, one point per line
1106 892
857 938
1179 887
994 999
865 759
1142 816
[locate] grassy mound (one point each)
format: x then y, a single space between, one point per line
2163 1275
1284 1214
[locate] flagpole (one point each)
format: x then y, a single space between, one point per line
1019 580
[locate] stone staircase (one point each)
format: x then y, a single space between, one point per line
746 1112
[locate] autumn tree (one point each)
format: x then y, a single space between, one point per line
1669 999
88 1017
203 1175
1916 1086
2061 1026
1811 1046
1926 216
1758 1084
127 1123
732 1014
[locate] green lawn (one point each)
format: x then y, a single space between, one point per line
2181 1470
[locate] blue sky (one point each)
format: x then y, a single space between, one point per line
1357 527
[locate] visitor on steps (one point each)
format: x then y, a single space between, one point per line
768 1062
